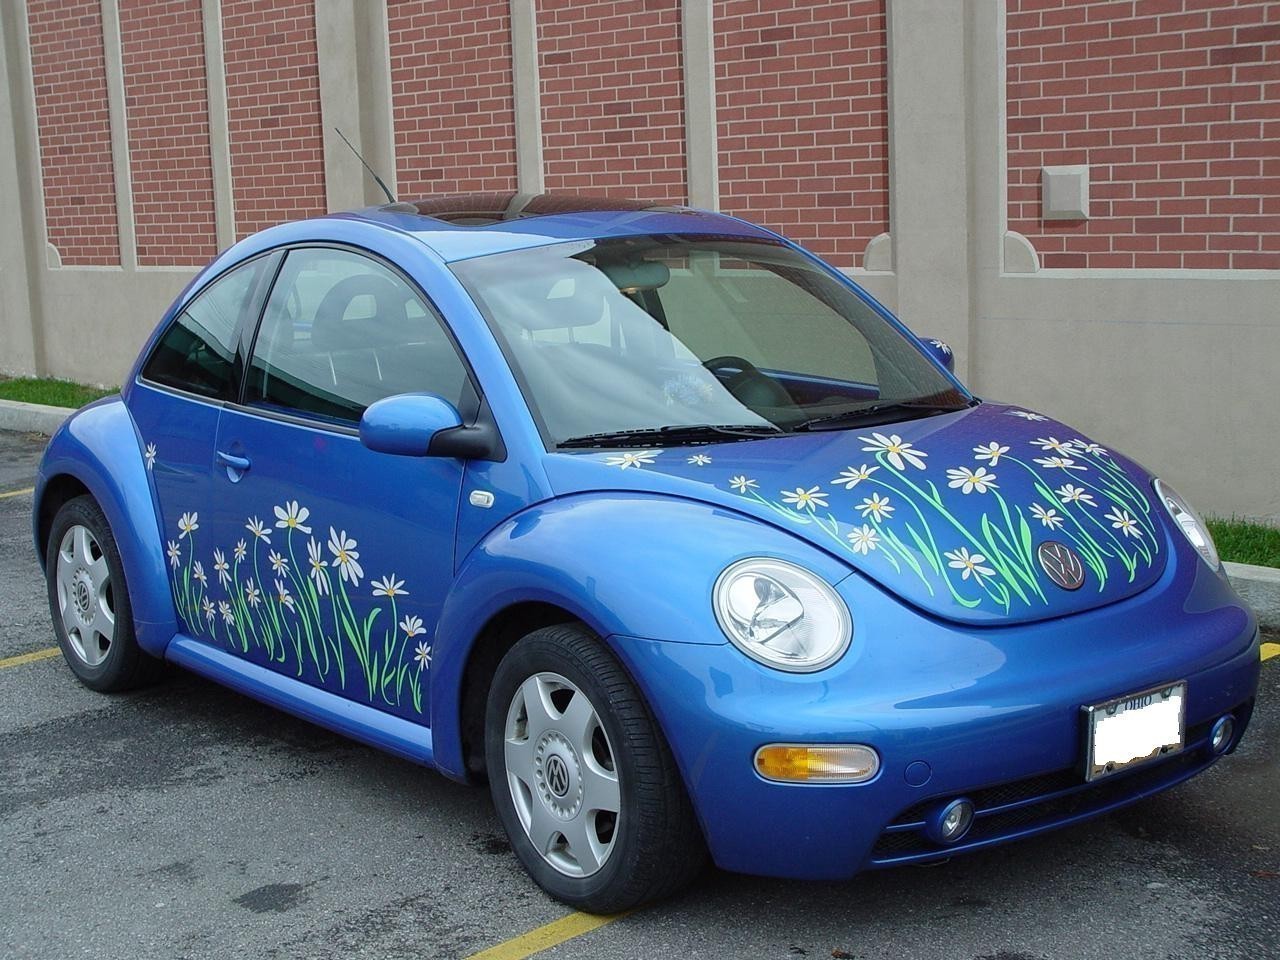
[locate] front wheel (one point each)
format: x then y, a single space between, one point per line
582 778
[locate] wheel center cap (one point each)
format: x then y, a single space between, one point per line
82 595
558 774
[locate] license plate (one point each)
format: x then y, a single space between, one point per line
1135 729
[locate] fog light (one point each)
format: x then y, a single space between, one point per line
817 763
952 822
1221 734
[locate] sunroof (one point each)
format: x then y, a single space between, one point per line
484 209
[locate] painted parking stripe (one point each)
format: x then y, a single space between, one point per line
31 657
1270 650
545 937
17 493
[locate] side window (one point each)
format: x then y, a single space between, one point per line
341 331
197 352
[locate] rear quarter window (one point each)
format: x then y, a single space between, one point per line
197 352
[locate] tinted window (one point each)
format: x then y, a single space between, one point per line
341 331
197 352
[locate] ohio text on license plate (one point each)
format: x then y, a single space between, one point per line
1135 729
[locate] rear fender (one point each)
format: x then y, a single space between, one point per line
99 447
622 563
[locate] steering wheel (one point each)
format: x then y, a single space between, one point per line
749 385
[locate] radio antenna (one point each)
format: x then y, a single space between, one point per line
377 179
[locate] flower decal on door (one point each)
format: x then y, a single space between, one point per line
311 620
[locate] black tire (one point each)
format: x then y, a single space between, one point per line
123 664
657 846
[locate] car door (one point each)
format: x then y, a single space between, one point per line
176 403
333 561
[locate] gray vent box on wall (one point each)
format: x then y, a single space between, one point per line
1064 193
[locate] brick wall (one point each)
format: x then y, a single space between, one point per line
75 130
1175 107
452 96
273 111
166 101
803 120
612 97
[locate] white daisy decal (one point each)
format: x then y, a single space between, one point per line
292 517
967 480
742 484
699 460
389 586
938 344
1063 447
876 506
1122 521
1060 463
1070 493
642 458
251 593
283 597
222 568
1050 517
149 455
412 626
1026 415
197 572
970 564
345 557
1088 446
863 539
187 523
224 608
207 606
318 573
279 563
850 477
802 499
175 553
990 452
422 655
241 550
899 451
258 529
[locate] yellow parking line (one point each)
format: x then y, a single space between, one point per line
31 657
1270 650
545 937
17 493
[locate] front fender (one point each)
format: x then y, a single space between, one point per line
623 563
98 446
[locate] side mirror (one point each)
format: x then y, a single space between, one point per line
941 352
407 424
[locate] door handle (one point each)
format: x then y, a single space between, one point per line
233 462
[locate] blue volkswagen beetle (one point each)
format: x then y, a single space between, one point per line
654 521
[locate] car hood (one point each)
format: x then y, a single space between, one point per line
949 512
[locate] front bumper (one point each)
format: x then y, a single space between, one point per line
991 714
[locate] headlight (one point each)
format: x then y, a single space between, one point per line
782 615
1189 522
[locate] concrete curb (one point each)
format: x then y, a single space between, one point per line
1260 587
31 417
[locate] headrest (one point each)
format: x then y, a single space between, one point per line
384 327
574 296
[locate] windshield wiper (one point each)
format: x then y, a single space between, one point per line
674 434
882 413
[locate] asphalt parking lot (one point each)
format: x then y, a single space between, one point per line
188 821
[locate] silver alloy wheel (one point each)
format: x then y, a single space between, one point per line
85 599
562 774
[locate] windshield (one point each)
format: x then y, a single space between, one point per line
684 339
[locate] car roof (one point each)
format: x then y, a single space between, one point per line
461 226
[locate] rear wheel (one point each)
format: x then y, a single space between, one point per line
582 778
89 601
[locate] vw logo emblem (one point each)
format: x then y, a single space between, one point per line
557 775
1062 564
